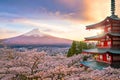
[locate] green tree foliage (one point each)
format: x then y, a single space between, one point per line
90 45
72 50
77 47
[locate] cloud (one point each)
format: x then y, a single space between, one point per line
64 20
59 28
72 14
8 17
97 10
40 24
70 3
88 11
81 11
7 33
76 8
4 30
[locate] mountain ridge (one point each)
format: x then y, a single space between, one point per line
35 37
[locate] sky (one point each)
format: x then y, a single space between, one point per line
60 18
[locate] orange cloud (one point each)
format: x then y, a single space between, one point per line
97 10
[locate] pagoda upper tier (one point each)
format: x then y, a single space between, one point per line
110 37
107 22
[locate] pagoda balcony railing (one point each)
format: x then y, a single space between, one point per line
103 46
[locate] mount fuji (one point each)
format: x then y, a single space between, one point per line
35 37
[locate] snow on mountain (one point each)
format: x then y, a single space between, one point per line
35 37
35 33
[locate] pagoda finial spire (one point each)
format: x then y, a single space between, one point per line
113 7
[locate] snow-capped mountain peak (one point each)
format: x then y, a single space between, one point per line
35 37
35 33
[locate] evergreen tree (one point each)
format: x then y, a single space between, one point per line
83 45
72 50
69 53
90 45
77 47
73 47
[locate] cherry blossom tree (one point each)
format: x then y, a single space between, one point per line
32 65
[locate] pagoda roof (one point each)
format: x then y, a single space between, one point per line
102 51
95 37
104 22
114 34
102 36
96 50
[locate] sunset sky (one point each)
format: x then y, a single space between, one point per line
61 18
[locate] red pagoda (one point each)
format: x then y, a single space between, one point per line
108 42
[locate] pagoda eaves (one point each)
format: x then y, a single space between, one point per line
102 51
106 22
101 36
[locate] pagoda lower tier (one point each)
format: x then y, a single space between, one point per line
108 48
109 56
106 40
